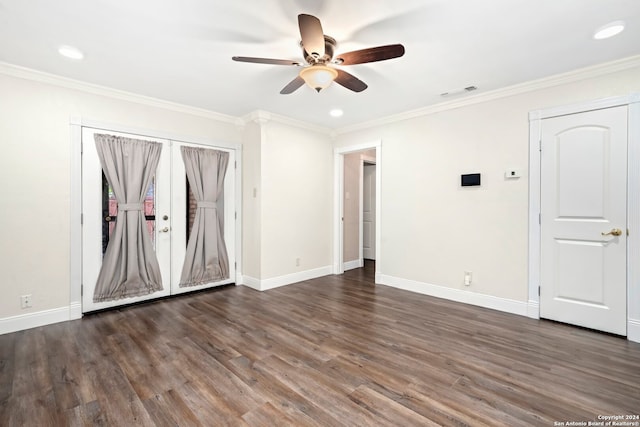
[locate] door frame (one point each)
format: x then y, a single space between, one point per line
364 160
338 203
633 202
76 250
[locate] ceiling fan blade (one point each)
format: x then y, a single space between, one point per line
350 81
371 54
312 35
292 86
266 60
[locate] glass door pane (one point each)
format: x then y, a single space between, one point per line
110 211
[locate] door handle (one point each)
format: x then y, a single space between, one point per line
613 232
164 230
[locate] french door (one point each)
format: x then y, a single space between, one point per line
168 209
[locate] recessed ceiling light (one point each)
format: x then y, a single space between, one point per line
336 112
609 30
70 52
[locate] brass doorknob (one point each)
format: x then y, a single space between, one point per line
613 232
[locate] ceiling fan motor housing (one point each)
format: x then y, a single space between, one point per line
314 58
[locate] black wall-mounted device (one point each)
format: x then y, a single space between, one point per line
470 179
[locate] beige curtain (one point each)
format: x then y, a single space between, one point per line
129 267
206 259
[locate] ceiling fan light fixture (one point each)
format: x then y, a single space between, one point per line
318 76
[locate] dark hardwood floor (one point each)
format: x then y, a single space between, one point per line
335 351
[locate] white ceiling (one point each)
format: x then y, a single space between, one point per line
180 50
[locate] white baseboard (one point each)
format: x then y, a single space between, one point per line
533 309
75 310
633 330
276 282
350 265
251 282
458 295
39 318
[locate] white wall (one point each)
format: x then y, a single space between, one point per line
432 229
287 225
297 173
35 172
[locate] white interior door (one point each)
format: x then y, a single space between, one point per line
584 219
369 212
168 226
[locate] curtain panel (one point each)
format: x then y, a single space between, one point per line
129 267
206 258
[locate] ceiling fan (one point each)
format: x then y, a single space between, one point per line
318 52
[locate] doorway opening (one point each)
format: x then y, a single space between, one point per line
357 206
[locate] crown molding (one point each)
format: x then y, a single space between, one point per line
530 86
263 117
52 79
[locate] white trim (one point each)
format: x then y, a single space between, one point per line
533 309
458 295
52 79
597 104
238 216
251 282
633 221
535 136
547 82
75 216
633 330
152 133
288 279
371 160
338 201
351 265
38 318
265 115
360 209
338 214
633 201
75 310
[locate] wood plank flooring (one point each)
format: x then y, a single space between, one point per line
334 351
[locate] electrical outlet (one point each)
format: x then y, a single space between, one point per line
467 278
25 301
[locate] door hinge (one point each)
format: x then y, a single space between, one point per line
540 145
81 290
540 218
81 219
538 290
235 265
235 215
235 164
